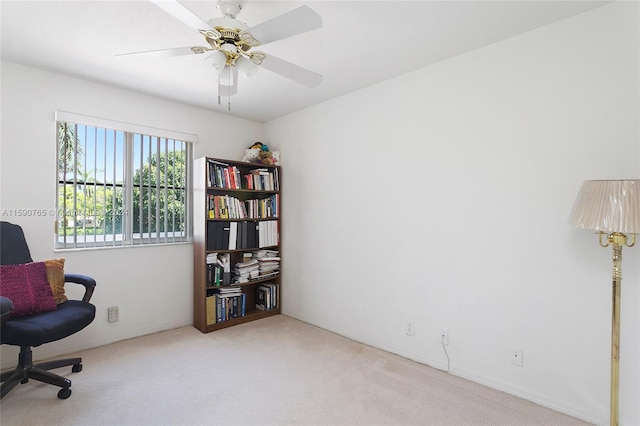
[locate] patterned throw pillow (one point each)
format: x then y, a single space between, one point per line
55 275
27 287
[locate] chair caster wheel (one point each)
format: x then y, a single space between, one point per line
64 393
76 368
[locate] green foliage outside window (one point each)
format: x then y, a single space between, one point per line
92 185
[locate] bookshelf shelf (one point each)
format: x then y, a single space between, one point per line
236 231
251 191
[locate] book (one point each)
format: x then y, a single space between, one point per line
234 290
214 275
268 234
267 296
233 235
261 298
230 305
225 230
219 308
211 310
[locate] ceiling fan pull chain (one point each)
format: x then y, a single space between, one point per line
229 90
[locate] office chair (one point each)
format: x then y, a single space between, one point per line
32 330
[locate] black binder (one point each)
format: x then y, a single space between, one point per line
245 234
239 237
218 235
211 236
225 230
252 234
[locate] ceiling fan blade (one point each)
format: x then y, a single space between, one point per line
163 53
291 71
181 13
296 21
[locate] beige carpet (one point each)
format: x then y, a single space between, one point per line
274 371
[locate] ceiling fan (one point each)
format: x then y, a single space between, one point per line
230 42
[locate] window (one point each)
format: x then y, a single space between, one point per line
119 188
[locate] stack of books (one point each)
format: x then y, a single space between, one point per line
223 175
267 296
269 263
228 291
262 179
230 303
218 272
245 271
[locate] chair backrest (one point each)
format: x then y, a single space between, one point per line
13 246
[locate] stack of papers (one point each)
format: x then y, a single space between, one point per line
244 271
269 262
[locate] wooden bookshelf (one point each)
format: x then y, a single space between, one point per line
236 210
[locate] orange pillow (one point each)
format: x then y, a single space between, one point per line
55 275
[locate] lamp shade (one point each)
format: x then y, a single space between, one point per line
608 206
216 60
247 68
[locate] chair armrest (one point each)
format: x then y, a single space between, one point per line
5 309
88 283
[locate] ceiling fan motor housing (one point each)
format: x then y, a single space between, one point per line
228 8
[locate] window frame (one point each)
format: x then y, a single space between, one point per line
127 237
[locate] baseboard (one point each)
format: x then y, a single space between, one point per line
43 353
560 406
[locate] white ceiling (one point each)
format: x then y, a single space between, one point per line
360 43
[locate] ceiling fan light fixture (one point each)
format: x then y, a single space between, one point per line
216 60
246 68
229 47
227 77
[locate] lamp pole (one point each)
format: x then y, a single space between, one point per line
611 208
616 240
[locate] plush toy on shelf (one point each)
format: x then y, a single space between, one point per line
266 157
251 155
259 153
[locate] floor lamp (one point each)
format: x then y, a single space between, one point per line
611 208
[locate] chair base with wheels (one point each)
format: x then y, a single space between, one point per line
27 370
28 331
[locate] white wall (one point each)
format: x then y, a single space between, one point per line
455 184
153 286
443 197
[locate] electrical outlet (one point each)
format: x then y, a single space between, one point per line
516 356
410 328
444 336
113 314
